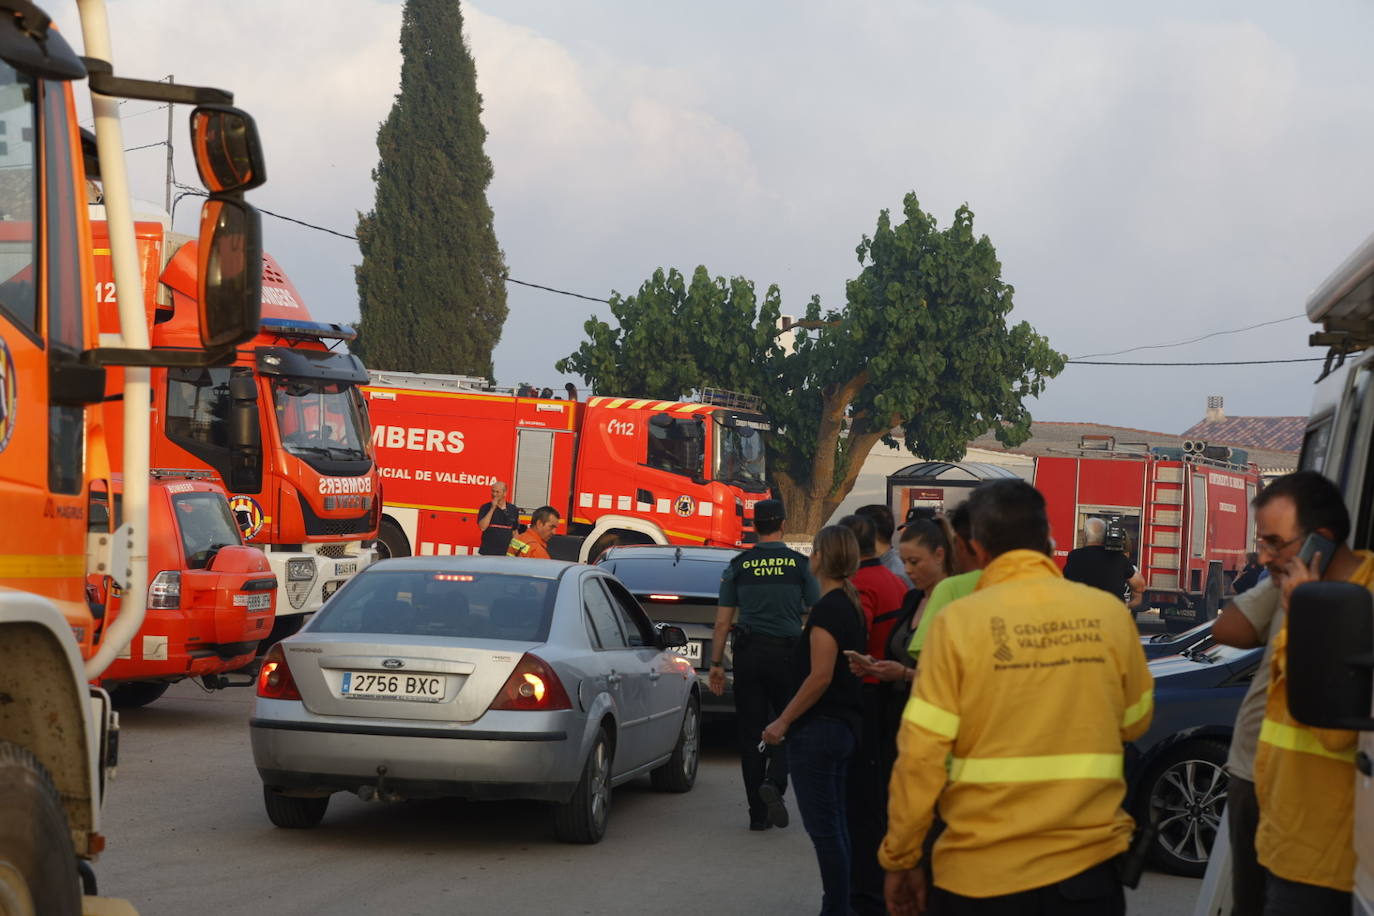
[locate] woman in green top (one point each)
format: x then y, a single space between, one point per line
926 555
953 587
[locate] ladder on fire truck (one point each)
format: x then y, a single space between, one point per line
427 380
1164 512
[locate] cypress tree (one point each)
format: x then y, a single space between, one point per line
430 288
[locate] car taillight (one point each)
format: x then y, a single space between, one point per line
164 592
532 685
274 680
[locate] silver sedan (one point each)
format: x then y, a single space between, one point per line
476 677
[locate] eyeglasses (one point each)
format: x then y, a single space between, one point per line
1263 545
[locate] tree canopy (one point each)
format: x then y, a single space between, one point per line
430 287
920 352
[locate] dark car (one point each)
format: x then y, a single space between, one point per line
680 586
1162 645
1178 768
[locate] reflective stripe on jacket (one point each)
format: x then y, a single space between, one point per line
1027 689
1305 783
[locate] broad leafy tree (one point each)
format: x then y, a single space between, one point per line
921 353
430 285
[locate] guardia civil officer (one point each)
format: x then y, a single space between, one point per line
771 586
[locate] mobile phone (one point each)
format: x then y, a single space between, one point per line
866 659
1317 544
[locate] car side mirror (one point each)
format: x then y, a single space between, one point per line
229 275
1331 655
227 149
670 637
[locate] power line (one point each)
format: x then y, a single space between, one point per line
1205 365
1194 340
123 117
561 292
134 149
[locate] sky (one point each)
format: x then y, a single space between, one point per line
1148 174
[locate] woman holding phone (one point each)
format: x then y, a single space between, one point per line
821 722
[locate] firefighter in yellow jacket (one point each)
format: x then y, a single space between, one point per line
1304 776
1026 691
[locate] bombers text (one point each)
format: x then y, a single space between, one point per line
418 439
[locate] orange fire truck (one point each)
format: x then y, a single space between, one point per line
1185 513
282 426
56 731
618 470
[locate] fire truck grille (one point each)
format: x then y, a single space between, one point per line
297 592
333 527
333 551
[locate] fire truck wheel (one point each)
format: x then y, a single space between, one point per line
37 863
293 813
391 540
134 694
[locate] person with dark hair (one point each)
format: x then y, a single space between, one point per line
821 720
1027 690
533 542
880 597
967 570
885 526
771 586
1304 776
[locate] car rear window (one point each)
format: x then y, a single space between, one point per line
646 575
439 603
205 523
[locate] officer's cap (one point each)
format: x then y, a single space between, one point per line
769 510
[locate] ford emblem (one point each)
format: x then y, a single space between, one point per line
393 663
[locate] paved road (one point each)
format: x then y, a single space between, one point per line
188 834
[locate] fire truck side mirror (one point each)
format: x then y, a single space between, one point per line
229 272
228 151
1331 655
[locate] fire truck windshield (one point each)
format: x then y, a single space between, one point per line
739 456
320 418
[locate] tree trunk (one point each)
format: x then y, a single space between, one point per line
805 514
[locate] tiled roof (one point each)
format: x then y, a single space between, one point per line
1050 438
1279 433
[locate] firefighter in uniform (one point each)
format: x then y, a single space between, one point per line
1027 689
771 586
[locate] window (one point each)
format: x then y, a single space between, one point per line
1314 446
62 276
636 626
18 202
1198 533
206 525
602 616
198 407
677 445
442 604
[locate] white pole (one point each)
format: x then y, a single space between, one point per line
95 31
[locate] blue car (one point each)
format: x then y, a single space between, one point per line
1161 645
1177 768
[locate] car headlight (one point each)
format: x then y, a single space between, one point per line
301 569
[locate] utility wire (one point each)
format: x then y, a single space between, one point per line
123 117
561 292
1205 364
134 149
1194 340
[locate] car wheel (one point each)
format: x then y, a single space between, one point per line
291 812
679 774
37 863
134 694
1187 790
583 818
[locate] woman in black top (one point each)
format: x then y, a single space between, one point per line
823 718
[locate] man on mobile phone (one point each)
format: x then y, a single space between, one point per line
1304 776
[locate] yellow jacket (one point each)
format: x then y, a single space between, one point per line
1032 683
1305 783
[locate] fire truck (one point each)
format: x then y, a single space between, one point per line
281 426
1185 513
57 748
618 470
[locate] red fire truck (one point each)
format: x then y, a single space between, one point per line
619 470
1185 511
282 428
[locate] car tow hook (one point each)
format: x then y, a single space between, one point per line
380 792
